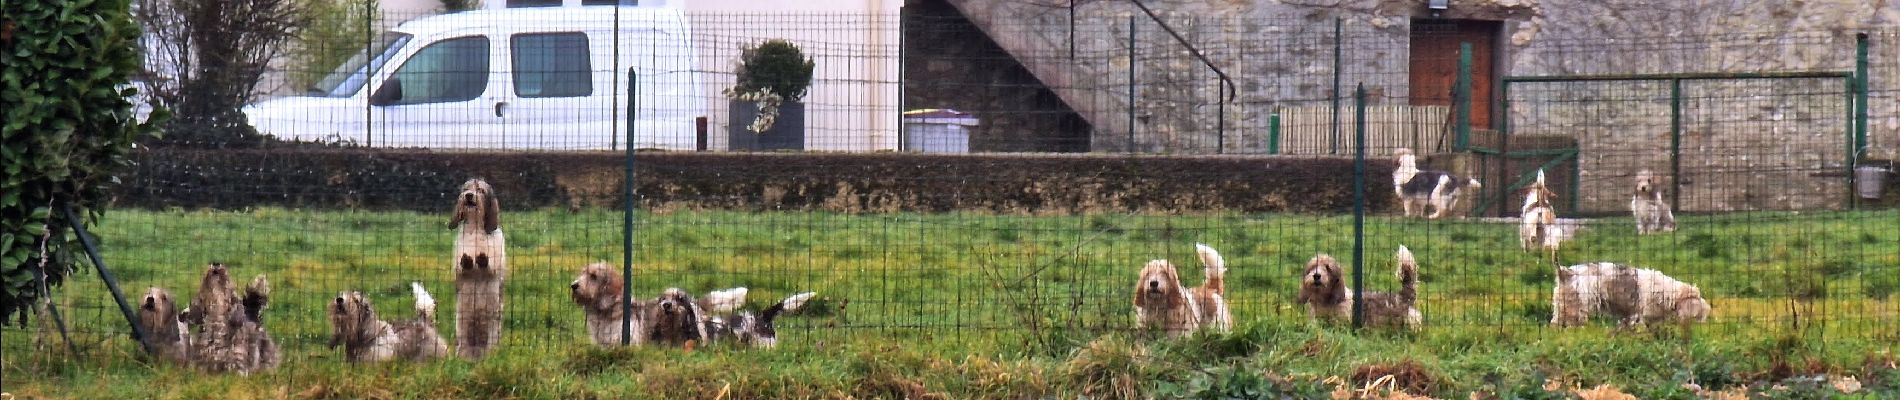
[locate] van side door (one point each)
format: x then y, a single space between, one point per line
557 97
440 98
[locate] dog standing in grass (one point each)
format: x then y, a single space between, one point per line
1652 213
1539 229
481 264
1634 296
1431 193
1163 303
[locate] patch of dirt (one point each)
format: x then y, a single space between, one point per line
1407 376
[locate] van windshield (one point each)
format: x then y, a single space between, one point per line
354 73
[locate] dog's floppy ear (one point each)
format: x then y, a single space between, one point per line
455 221
491 213
607 293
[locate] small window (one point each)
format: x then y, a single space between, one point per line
552 65
446 71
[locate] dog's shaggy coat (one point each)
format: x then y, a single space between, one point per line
1633 296
166 336
367 338
481 265
599 291
1651 212
231 335
1430 193
1323 290
1163 304
1539 229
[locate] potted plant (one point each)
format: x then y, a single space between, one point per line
765 110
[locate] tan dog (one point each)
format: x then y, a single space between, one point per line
599 291
1163 303
1323 290
166 336
481 265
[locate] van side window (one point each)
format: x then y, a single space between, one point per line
445 71
533 3
552 65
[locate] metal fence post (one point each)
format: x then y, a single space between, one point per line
1338 42
99 264
1461 96
1860 94
1675 144
1359 207
626 223
1131 84
1273 133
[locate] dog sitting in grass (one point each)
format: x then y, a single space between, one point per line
231 335
167 338
1323 290
1163 303
367 338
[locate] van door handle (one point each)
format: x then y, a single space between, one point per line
499 106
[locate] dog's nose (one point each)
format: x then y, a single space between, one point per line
150 303
576 285
1154 285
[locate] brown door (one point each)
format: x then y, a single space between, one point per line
1434 63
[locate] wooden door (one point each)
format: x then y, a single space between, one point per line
1434 63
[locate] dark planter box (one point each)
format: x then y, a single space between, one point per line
787 133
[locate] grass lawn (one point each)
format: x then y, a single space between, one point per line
987 306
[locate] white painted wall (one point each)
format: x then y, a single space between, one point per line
853 104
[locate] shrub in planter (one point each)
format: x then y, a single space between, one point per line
765 111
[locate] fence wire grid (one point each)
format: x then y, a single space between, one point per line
1770 225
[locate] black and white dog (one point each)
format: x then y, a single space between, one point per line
1427 190
676 319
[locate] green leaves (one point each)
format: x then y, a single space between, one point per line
67 131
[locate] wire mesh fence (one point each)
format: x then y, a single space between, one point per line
1022 247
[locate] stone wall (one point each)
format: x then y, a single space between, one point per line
1750 145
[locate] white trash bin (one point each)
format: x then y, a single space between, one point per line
1870 181
937 130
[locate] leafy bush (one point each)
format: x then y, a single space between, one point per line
69 128
775 66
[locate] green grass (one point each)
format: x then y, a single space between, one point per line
986 306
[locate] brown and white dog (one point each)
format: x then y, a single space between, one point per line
367 338
1652 213
1323 290
1539 229
481 264
599 291
1432 193
166 336
676 319
1634 296
231 336
1163 304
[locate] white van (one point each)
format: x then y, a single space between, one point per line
522 78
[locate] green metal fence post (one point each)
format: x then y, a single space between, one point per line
1860 93
1461 96
1504 149
1338 42
1273 133
1359 207
1675 144
626 223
